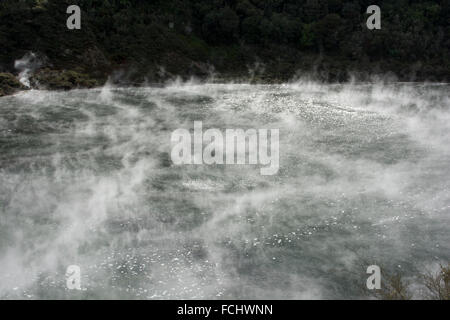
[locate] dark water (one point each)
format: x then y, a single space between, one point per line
86 179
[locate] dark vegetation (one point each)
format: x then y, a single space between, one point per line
9 84
278 39
432 285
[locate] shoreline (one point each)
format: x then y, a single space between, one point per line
12 85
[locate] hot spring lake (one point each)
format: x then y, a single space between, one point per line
86 179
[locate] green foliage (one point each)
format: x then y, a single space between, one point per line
177 34
221 25
308 36
328 30
8 84
65 80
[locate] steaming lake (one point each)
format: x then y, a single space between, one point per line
86 179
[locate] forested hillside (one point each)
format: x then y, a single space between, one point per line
275 39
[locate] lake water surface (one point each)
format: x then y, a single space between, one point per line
86 179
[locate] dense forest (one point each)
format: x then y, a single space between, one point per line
270 40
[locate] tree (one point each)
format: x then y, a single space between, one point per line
221 26
328 31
